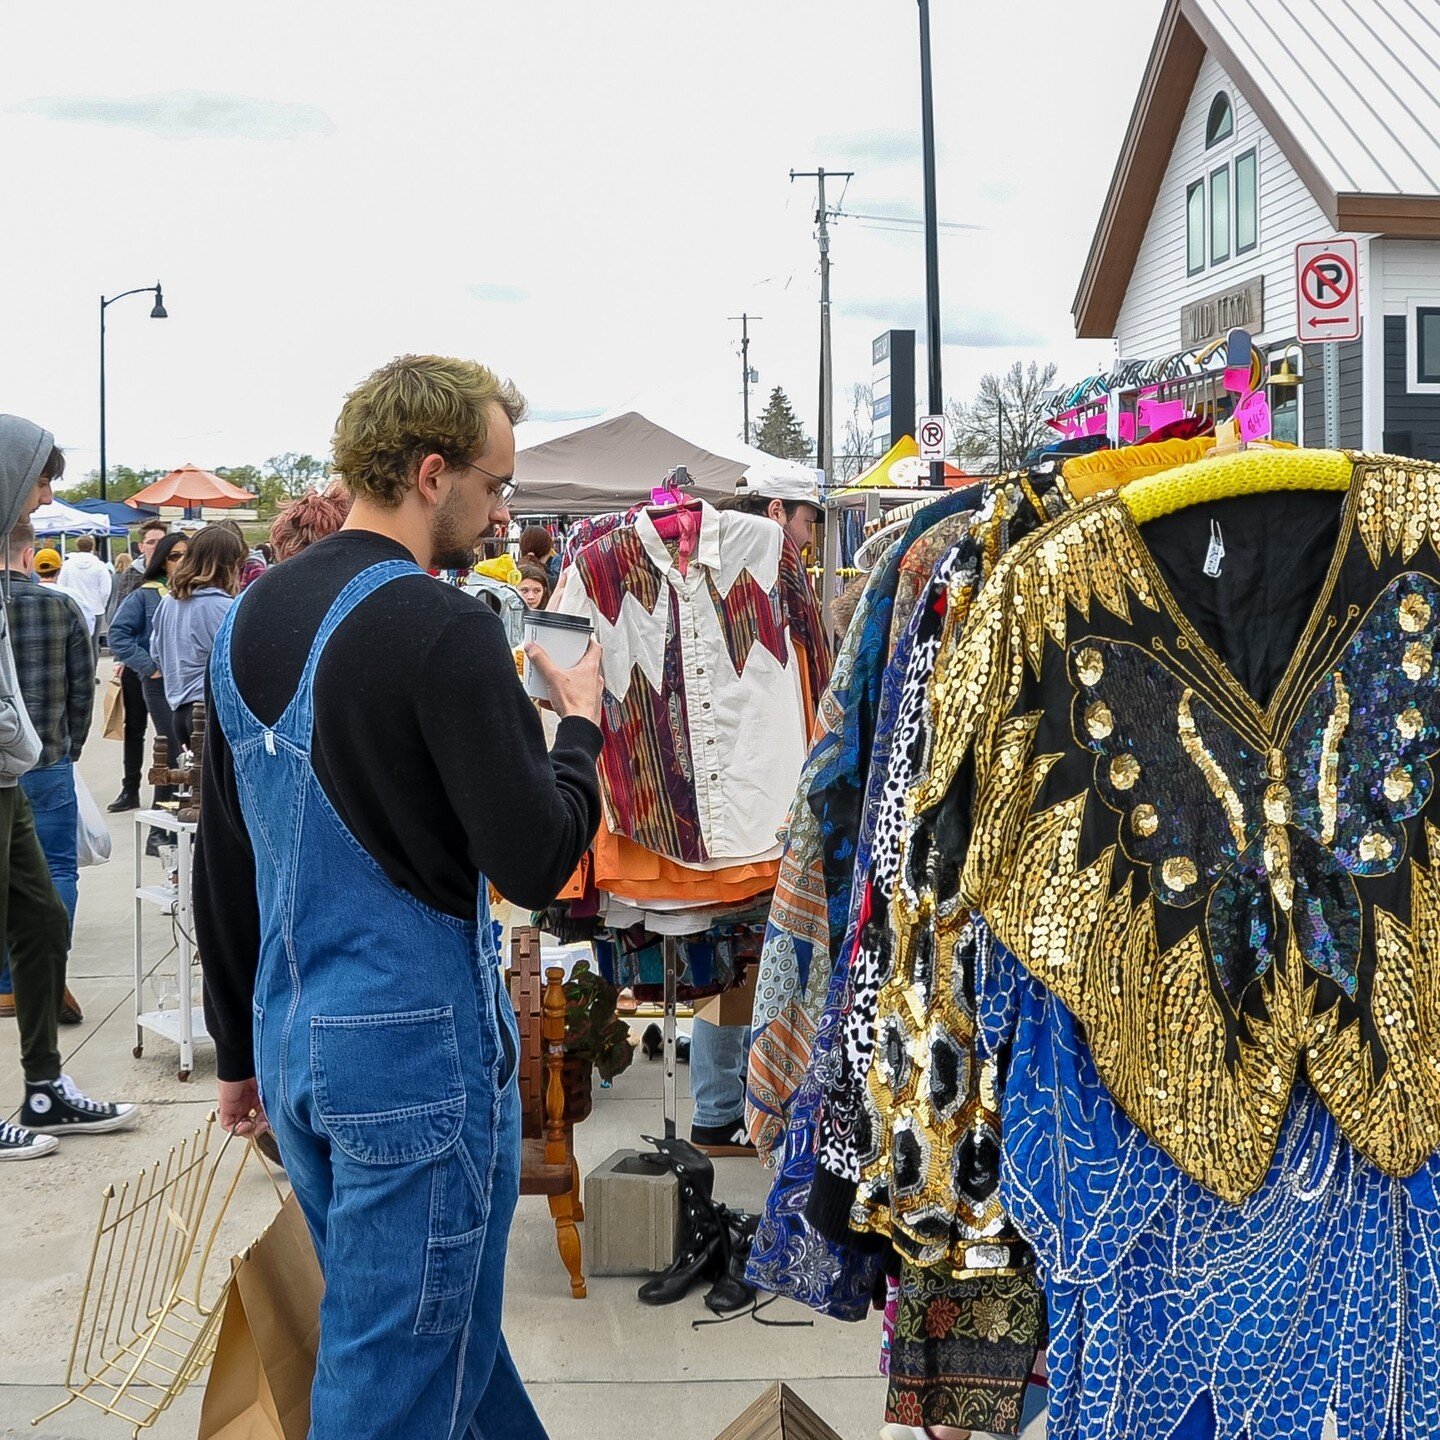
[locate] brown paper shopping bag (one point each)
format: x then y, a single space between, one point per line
114 711
259 1386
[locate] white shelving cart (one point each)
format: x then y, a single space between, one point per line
185 1023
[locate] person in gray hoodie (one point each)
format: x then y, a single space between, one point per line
33 917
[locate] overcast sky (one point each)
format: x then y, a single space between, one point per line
578 192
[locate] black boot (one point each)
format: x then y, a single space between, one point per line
127 799
702 1250
687 1163
701 1257
730 1292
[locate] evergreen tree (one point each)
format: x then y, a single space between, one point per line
779 431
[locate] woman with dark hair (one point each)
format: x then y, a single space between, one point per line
130 637
187 620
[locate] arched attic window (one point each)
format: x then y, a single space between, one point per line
1220 124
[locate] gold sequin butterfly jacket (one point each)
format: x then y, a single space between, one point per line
1228 896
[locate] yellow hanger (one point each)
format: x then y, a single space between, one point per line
1248 472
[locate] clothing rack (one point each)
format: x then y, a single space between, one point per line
876 502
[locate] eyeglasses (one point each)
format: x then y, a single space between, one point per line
508 486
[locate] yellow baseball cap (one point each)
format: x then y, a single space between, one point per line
47 561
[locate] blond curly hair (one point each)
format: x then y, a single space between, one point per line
415 406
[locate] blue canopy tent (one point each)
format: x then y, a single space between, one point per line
117 512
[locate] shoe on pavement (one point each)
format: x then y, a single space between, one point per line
70 1012
722 1139
127 799
20 1144
59 1107
153 843
7 1006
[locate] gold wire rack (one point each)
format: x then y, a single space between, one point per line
146 1326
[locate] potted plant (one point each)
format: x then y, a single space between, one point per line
595 1037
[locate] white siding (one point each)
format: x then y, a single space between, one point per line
1149 322
1412 267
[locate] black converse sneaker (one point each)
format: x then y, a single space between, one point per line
18 1144
58 1107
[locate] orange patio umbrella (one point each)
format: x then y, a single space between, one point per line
190 486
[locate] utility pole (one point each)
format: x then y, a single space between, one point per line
745 366
825 429
932 233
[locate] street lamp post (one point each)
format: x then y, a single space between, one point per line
157 312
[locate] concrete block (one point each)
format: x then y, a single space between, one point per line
632 1216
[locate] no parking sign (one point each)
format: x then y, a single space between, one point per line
1327 287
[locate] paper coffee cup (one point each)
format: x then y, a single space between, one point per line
564 638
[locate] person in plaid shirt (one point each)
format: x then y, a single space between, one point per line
53 655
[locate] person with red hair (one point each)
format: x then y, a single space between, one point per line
316 514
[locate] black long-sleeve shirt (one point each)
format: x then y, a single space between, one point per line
424 741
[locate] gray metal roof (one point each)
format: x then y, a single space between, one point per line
1357 83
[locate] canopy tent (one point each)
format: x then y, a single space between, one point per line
612 461
117 511
190 486
902 467
58 518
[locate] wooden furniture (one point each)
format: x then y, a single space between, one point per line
550 1108
186 781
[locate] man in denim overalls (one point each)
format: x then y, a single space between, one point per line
372 764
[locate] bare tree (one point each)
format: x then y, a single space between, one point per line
856 444
1005 420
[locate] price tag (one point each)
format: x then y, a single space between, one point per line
1253 413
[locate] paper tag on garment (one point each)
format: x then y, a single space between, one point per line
1216 553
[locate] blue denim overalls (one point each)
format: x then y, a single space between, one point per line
385 1049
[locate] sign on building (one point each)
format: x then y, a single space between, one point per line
1240 307
1327 289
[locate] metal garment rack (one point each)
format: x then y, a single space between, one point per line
875 500
669 1100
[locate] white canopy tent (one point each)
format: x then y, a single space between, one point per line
58 518
612 461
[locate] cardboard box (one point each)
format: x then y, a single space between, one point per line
731 1007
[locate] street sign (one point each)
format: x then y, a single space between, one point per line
930 436
1327 287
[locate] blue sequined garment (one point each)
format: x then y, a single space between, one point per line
1319 1291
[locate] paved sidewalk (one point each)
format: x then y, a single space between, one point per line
606 1368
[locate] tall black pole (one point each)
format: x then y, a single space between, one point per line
102 398
932 234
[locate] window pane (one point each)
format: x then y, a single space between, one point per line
1195 221
1247 203
1220 216
1427 359
1220 123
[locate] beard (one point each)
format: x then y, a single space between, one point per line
452 543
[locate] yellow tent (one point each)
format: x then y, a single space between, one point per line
902 469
